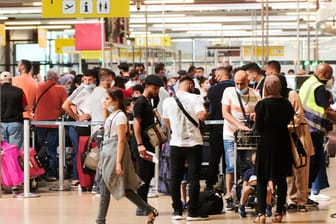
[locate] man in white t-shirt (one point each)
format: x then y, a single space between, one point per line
234 120
186 145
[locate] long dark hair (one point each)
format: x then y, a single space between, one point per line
117 94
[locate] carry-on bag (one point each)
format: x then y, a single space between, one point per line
35 168
11 172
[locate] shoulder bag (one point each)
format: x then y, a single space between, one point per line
298 152
199 124
155 133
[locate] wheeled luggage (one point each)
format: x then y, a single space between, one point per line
85 180
11 171
36 168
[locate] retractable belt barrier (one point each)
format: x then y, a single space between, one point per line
61 147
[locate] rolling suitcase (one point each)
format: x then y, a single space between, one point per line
85 180
36 169
11 171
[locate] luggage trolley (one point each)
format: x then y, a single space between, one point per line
243 141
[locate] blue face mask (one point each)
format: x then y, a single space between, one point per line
110 108
242 91
89 86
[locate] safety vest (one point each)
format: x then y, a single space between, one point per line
315 115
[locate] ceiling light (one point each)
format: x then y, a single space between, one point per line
20 27
24 23
86 21
55 27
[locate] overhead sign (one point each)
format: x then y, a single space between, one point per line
152 41
2 35
63 45
85 8
273 51
42 38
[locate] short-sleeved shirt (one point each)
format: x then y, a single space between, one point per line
45 110
112 122
184 133
13 101
230 98
81 97
97 100
144 111
29 87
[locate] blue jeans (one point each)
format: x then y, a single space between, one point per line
178 156
74 140
49 137
243 159
12 133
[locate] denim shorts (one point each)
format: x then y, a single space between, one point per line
229 155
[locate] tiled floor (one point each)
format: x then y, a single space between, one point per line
75 207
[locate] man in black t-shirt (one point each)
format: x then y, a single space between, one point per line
143 118
215 93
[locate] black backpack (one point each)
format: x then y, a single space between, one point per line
211 202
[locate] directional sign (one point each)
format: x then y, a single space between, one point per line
85 8
2 35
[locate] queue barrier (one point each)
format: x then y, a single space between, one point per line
61 149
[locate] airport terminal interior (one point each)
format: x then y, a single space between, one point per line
299 34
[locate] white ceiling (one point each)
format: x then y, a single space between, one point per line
203 18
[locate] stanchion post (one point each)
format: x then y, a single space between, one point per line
61 155
26 162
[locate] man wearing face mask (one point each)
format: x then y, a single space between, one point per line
81 100
317 111
234 120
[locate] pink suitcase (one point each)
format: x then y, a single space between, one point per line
35 170
11 172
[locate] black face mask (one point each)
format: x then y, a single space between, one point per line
324 81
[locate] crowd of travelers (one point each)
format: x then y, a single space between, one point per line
247 98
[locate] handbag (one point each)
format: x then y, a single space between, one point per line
298 152
86 158
92 158
156 135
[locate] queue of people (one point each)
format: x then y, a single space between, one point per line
179 102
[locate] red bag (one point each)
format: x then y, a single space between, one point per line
11 172
35 170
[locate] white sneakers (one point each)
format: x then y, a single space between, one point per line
319 197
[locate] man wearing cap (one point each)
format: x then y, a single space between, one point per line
186 145
143 118
13 104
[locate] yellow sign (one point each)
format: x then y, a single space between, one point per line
273 51
85 8
152 41
42 38
64 45
2 35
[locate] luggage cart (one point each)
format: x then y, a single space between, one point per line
243 141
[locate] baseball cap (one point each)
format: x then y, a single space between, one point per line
5 75
153 80
171 75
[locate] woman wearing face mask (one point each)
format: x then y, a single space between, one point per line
204 86
119 177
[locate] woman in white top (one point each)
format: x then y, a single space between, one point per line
119 176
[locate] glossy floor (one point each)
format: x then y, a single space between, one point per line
76 207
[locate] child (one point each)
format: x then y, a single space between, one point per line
249 186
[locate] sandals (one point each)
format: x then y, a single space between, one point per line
261 218
277 218
152 216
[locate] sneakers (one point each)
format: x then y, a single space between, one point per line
311 203
177 216
242 211
197 218
229 204
269 210
319 197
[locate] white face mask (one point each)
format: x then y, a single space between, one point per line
110 108
207 86
242 91
90 86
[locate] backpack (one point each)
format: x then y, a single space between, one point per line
211 202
